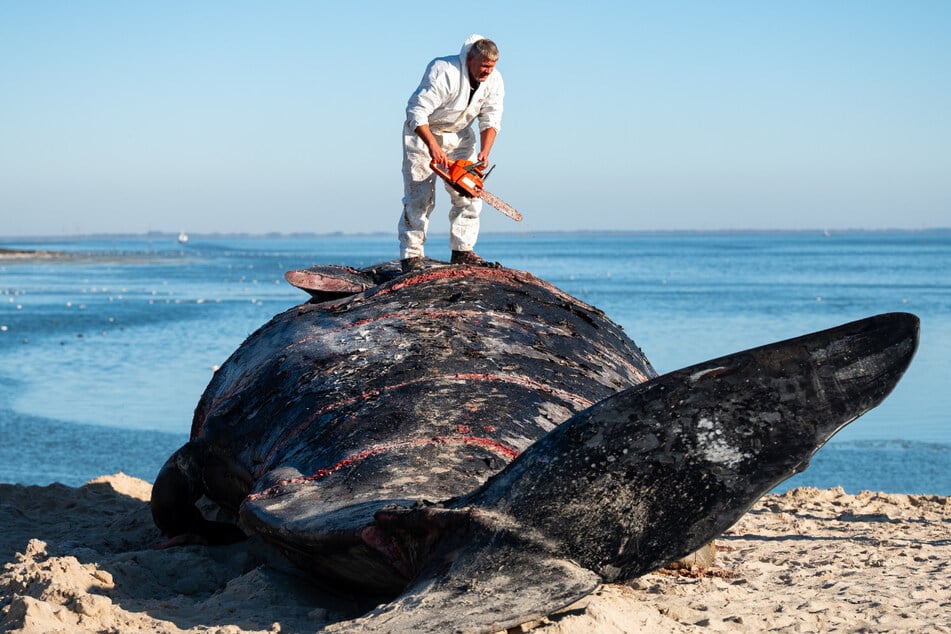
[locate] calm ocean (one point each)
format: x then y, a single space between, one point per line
104 355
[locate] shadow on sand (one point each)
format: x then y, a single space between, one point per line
63 546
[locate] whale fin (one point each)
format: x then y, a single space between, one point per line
330 281
652 473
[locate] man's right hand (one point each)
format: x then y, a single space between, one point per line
436 153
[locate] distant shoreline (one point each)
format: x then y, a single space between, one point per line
30 254
163 235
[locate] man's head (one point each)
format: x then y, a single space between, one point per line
481 59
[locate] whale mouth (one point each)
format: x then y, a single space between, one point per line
325 539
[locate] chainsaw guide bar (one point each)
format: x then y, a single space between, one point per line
467 178
501 205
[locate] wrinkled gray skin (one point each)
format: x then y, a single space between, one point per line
488 449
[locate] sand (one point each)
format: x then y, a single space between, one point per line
84 560
26 255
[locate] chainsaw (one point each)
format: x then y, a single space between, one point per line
467 177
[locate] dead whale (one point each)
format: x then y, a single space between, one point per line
485 449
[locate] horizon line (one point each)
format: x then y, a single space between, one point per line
590 232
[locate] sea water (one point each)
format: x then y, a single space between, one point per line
104 354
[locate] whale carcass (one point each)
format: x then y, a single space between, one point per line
484 449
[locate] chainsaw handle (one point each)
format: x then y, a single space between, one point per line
435 167
472 167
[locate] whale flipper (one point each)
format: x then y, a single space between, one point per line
329 282
652 473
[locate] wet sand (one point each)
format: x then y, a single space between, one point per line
16 255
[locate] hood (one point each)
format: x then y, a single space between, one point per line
472 39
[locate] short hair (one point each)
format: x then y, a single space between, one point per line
484 48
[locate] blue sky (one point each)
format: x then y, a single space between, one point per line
285 116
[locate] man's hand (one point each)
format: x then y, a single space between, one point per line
487 138
436 153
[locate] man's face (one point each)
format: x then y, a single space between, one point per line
480 68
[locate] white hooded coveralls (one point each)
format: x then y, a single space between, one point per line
442 102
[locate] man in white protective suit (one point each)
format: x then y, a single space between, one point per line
454 92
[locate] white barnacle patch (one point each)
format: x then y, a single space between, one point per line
863 367
696 376
714 447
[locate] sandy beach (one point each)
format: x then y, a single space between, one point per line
83 559
27 255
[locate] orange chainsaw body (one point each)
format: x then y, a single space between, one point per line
465 176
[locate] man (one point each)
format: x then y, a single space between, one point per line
454 92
